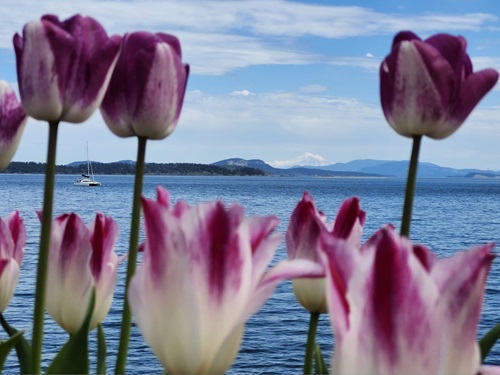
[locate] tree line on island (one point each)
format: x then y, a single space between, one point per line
172 169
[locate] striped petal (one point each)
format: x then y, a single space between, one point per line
12 122
69 276
461 280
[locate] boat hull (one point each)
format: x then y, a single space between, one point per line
86 182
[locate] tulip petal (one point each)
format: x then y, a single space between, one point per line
69 277
18 233
425 88
103 235
12 122
403 36
452 48
339 259
349 221
489 370
461 280
9 276
303 230
298 268
388 292
103 264
35 74
473 89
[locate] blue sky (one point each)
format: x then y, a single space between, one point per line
274 79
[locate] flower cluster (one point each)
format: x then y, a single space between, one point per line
204 269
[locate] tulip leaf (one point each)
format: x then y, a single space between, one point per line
488 341
319 362
73 358
23 348
6 347
101 350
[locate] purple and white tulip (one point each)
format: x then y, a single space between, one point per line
147 88
63 67
81 259
428 87
400 310
12 243
203 273
12 123
304 230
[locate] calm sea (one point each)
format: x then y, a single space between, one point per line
449 215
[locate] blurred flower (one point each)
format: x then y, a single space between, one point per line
81 259
304 229
63 67
147 88
202 275
428 87
12 122
12 242
400 309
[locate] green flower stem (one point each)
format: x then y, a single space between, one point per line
311 343
121 359
43 254
410 187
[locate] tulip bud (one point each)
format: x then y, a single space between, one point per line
12 242
12 123
147 88
81 259
305 227
428 87
64 67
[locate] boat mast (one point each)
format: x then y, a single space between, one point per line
90 171
88 160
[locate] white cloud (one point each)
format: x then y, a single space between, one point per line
220 36
241 93
278 17
366 63
314 88
370 55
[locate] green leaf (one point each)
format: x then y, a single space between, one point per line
23 348
319 362
6 347
73 358
488 341
101 350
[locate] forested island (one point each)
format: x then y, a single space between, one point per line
170 169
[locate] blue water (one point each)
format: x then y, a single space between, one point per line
449 215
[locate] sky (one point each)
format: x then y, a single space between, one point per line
274 79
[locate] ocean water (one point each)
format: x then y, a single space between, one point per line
449 215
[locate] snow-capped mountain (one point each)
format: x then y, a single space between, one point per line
308 159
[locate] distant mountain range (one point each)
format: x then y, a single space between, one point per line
361 168
256 167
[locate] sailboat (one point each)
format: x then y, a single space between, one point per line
88 178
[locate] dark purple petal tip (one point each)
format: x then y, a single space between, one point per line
404 36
